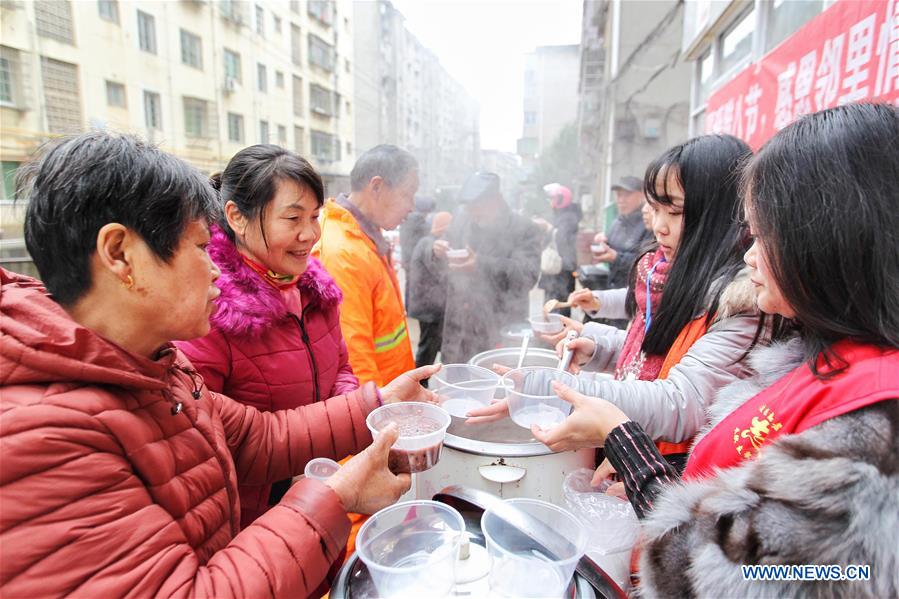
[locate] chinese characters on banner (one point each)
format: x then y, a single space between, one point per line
850 52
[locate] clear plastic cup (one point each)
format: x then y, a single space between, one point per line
599 248
534 547
531 398
457 255
422 430
321 468
546 324
410 549
462 387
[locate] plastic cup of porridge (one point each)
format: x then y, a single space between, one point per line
547 324
462 387
531 397
422 429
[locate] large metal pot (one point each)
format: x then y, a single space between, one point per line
501 457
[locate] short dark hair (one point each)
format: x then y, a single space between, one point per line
389 162
712 242
250 180
822 197
81 183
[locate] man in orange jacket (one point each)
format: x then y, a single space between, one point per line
383 183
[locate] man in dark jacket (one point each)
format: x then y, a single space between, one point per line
626 235
488 288
427 287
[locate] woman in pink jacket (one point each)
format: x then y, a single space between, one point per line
120 467
275 341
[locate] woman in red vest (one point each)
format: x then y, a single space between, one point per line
800 465
690 303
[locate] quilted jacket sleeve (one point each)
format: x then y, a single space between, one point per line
76 520
270 446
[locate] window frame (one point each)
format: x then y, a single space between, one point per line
146 28
196 44
110 85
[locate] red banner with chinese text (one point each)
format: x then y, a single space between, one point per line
848 53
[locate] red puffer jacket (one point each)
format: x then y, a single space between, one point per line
119 473
263 354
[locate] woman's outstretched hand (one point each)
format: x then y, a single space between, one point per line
588 425
407 386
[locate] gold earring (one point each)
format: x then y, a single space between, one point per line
130 284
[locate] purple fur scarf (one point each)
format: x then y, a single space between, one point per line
248 305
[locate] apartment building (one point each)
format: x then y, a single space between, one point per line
406 97
201 78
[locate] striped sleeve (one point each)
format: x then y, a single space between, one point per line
639 465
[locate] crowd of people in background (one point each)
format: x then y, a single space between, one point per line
193 343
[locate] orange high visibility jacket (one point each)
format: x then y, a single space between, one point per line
372 316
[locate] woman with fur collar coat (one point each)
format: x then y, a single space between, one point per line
275 341
793 486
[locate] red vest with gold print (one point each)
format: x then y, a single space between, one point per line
798 401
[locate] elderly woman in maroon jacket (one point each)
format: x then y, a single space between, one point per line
275 341
120 467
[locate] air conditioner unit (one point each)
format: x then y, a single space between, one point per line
230 85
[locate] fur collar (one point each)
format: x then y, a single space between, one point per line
248 305
737 298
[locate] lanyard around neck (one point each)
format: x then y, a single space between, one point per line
649 295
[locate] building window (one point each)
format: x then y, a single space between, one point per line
346 64
146 32
282 135
235 127
736 43
191 49
260 20
321 53
109 10
322 11
298 144
263 132
232 66
53 19
279 79
8 76
115 94
8 174
261 77
196 118
348 108
297 96
530 118
323 146
62 96
784 18
277 23
349 148
321 100
706 69
296 45
152 111
295 6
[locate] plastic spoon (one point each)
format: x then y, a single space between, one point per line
524 349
